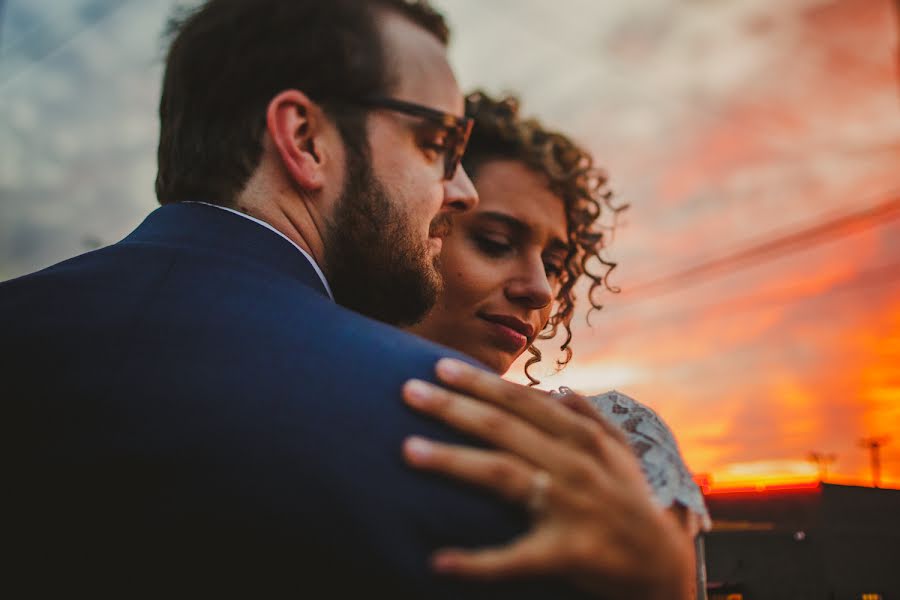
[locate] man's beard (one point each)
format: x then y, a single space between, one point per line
373 260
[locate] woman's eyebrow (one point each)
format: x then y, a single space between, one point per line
521 229
517 226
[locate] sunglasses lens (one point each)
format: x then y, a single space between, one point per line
451 160
460 138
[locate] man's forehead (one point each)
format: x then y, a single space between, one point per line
418 64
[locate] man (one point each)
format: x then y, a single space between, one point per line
192 411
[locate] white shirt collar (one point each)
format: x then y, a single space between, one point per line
267 226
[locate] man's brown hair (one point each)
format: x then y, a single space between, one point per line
229 58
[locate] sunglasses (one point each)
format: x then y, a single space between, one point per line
456 129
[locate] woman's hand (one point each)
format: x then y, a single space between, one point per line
595 522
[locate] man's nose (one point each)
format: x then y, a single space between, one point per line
459 192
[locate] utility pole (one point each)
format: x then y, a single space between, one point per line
874 444
821 460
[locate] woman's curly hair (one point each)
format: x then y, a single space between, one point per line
501 134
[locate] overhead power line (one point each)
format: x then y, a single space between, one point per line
2 14
876 277
774 248
62 41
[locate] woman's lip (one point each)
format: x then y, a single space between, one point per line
506 337
514 323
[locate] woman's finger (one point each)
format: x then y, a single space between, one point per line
494 425
508 476
618 456
579 404
582 406
533 555
534 406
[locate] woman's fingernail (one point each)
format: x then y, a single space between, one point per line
443 562
418 392
449 368
418 448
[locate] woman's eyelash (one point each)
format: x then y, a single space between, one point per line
491 246
496 248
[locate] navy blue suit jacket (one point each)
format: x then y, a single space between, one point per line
189 406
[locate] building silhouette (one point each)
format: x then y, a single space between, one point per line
811 541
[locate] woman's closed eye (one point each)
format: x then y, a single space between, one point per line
497 246
493 245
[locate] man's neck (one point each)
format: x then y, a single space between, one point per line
305 251
292 217
299 227
270 197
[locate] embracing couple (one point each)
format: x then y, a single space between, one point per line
276 383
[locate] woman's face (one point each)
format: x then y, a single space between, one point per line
501 266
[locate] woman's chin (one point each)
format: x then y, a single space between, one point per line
497 362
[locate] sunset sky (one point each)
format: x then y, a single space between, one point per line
756 141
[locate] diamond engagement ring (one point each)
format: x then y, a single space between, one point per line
537 494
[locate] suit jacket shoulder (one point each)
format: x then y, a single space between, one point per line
195 402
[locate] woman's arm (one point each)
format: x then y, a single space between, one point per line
595 521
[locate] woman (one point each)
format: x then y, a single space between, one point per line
510 268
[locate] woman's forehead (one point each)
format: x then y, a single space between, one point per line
510 188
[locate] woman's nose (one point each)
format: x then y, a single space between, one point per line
532 287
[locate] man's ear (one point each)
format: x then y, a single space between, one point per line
296 125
